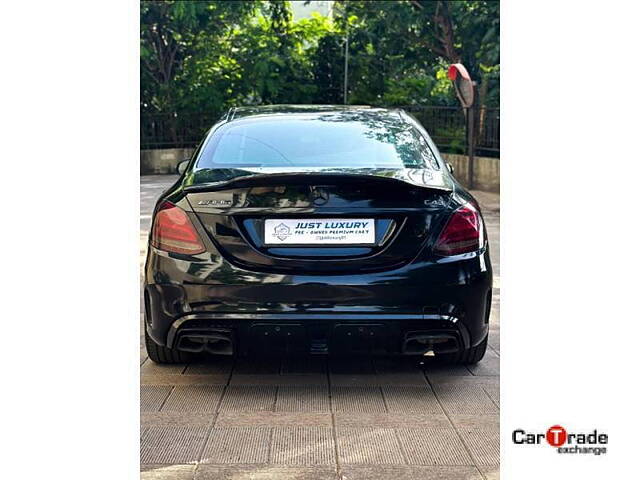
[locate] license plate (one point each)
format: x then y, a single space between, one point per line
324 231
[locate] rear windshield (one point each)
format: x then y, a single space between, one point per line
336 140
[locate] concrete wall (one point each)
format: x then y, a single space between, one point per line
153 162
486 172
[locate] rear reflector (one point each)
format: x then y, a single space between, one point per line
462 234
174 232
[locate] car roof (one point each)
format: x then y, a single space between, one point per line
236 113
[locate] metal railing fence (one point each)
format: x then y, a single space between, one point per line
446 125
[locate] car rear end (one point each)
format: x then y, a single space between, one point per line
304 259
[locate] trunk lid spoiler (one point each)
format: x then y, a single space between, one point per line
221 178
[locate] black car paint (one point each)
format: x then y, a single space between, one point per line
262 294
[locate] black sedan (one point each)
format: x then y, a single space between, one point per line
317 230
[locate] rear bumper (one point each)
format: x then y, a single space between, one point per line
448 319
241 311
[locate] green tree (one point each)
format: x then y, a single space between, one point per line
400 49
205 56
169 31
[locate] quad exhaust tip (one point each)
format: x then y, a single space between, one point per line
430 344
217 343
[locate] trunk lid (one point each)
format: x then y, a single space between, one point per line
392 217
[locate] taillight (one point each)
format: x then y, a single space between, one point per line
462 233
174 232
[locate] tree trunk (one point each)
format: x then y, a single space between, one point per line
482 105
443 20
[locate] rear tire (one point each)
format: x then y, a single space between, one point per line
469 356
160 354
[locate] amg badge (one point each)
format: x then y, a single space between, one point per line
215 203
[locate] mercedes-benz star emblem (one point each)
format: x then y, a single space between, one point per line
319 196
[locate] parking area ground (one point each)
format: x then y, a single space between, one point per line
318 418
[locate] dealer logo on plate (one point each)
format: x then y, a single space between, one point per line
282 232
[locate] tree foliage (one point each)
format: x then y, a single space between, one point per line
204 56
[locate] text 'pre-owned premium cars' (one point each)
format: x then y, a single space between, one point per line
303 229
